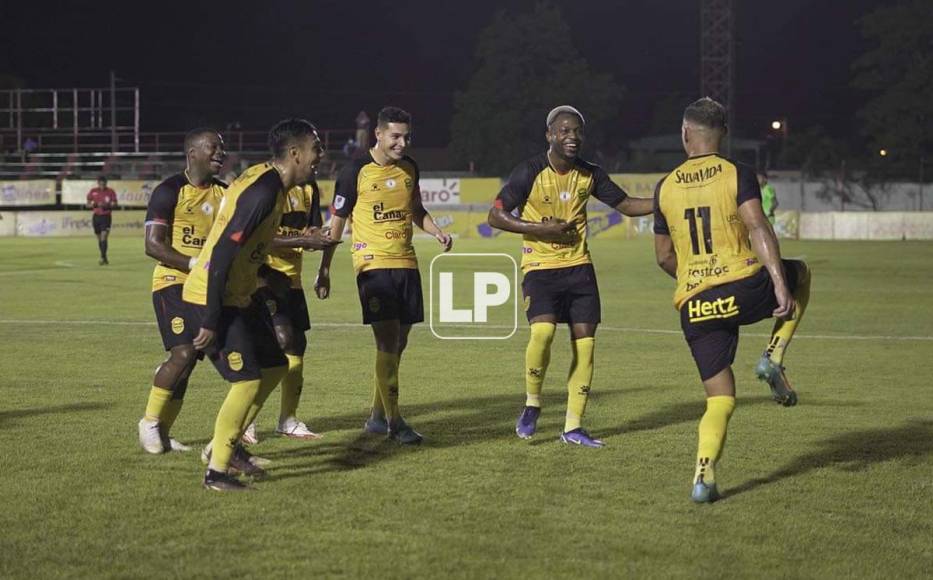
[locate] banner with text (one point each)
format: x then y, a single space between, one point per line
27 192
130 192
76 223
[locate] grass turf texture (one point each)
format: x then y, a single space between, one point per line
839 486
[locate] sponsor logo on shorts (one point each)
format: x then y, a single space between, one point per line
178 325
700 310
374 305
235 361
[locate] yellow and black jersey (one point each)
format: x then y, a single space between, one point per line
188 211
697 206
538 193
302 209
226 272
379 201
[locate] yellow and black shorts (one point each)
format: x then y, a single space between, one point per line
172 317
570 294
711 319
245 342
391 294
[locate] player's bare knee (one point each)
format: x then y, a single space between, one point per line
183 357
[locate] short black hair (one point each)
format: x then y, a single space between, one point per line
102 178
393 115
706 112
193 135
285 133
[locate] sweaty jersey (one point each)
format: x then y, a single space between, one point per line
697 206
226 272
379 200
302 209
188 211
540 193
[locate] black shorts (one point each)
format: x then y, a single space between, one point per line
101 223
711 319
570 294
391 294
172 315
245 342
291 309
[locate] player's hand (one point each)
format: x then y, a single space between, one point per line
557 230
322 284
317 239
204 339
446 240
786 303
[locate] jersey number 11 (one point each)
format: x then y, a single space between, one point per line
690 214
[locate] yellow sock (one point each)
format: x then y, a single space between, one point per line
170 413
713 427
229 423
579 381
270 378
158 399
784 329
292 385
387 381
537 358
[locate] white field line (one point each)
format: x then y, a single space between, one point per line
490 326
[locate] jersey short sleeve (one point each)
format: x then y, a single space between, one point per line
253 206
315 218
345 190
604 189
516 190
660 222
747 187
162 202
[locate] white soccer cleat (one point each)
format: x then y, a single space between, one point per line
149 437
250 437
177 446
292 428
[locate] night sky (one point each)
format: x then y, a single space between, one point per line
256 62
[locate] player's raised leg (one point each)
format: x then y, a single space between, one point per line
770 367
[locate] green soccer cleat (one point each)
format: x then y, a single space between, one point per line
772 373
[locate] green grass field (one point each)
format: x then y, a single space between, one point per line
837 487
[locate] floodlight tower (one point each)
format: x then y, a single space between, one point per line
717 57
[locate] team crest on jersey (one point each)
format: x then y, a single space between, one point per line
374 305
235 361
178 325
273 306
390 183
339 201
564 196
207 208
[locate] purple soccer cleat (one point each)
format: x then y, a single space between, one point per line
527 422
580 437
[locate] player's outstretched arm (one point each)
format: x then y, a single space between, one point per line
636 206
665 255
765 245
311 239
159 247
553 230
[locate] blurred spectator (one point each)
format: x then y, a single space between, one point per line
362 131
769 201
350 147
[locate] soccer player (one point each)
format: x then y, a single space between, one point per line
380 193
282 293
234 330
545 200
712 236
181 211
102 200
